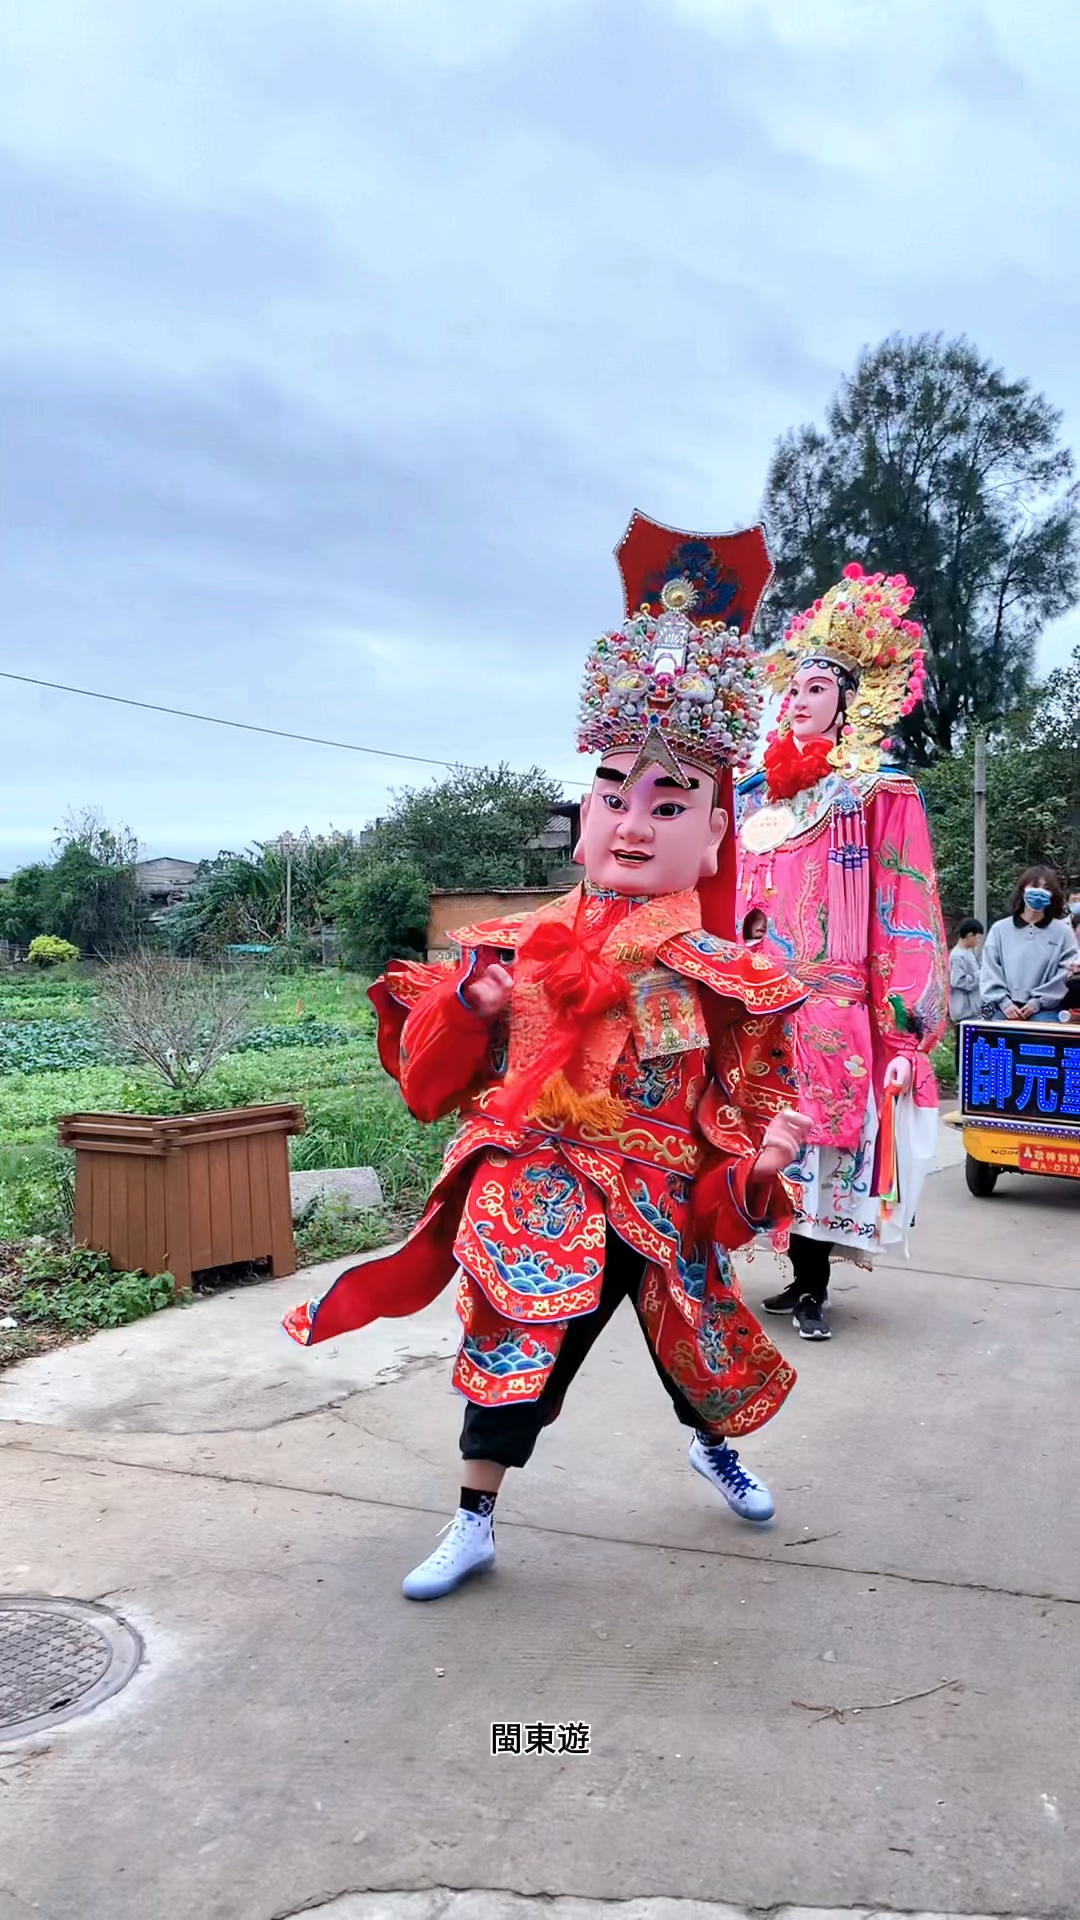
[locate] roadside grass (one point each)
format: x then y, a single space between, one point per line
51 1291
330 1227
37 1192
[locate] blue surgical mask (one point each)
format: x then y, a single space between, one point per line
1039 897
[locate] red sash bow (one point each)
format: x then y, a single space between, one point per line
571 971
579 986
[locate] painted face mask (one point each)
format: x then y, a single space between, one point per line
814 705
658 838
1037 898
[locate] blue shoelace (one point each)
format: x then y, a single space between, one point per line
728 1465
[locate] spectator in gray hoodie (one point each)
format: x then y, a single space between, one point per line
1027 955
965 998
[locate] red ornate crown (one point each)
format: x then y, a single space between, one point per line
669 686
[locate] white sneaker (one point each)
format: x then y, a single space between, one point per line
720 1465
469 1547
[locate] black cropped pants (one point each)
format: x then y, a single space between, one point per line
507 1435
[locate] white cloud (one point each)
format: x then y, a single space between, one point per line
341 339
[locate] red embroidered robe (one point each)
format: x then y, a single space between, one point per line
693 1063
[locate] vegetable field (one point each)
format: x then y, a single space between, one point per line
314 1043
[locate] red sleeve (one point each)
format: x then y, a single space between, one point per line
433 1045
753 1078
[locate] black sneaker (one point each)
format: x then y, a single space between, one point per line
810 1321
785 1302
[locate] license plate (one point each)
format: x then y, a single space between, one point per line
1050 1159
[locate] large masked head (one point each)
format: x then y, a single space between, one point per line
655 836
671 701
850 667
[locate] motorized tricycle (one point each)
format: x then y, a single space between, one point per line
1019 1099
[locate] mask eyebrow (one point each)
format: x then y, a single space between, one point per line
665 780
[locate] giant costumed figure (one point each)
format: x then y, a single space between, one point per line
835 851
622 1071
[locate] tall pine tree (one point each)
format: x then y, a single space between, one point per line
933 464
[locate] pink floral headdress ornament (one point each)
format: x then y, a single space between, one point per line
860 627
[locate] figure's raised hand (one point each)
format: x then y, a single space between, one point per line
785 1137
488 992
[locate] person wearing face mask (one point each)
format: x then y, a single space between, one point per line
1027 956
834 845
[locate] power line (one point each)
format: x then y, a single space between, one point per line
245 726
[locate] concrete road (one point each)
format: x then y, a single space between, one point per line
299 1736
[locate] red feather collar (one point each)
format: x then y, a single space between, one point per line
790 769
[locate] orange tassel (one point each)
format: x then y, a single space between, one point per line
579 987
561 1105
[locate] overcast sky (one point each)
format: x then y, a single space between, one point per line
338 339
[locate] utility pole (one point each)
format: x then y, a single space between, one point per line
286 842
979 888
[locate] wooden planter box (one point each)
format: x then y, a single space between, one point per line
185 1192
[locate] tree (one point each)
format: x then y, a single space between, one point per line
88 894
92 894
1032 800
382 914
22 911
221 907
473 829
934 465
239 897
1055 721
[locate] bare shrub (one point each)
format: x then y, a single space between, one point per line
177 1017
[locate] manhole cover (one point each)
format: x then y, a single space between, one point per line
59 1658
